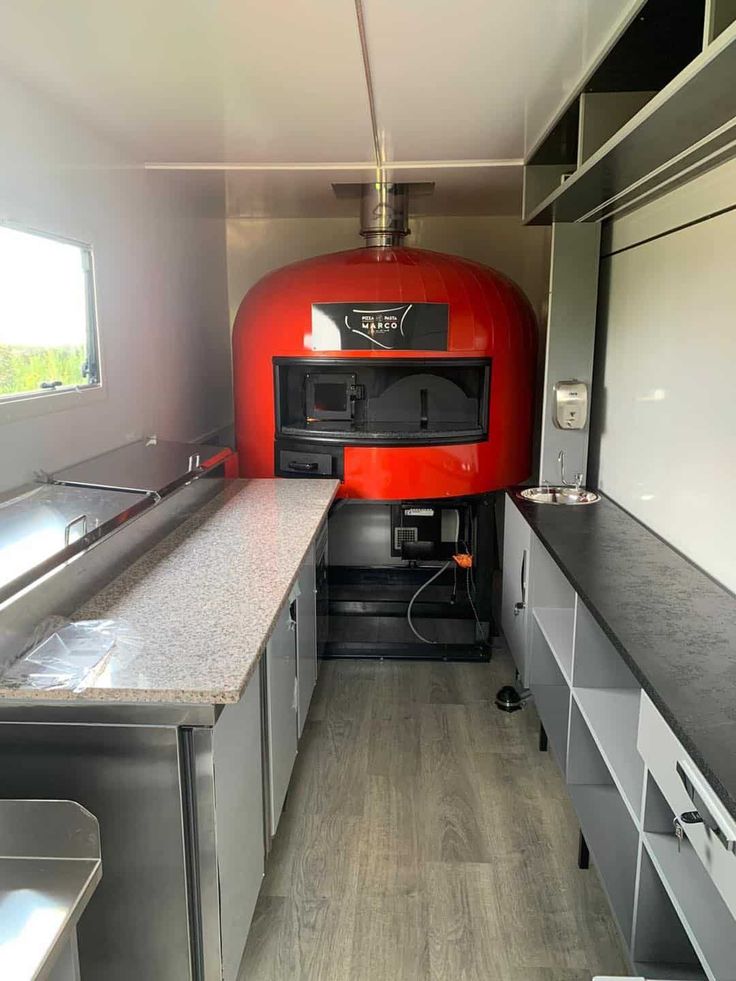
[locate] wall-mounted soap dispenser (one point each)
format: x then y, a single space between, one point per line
570 408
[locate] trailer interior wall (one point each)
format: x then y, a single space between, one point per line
664 440
256 246
159 253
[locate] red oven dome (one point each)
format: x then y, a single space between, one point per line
487 322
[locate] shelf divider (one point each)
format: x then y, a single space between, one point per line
612 715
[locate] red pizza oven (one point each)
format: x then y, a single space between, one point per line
408 374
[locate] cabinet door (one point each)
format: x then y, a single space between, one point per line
282 707
516 574
238 821
306 636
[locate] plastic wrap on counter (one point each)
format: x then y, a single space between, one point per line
70 655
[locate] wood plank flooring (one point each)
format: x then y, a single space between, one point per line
426 837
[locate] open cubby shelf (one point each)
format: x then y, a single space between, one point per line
553 706
605 820
660 108
710 926
612 715
613 842
661 947
551 695
557 627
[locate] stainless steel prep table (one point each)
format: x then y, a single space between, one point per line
165 748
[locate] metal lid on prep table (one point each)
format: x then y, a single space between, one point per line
150 466
44 525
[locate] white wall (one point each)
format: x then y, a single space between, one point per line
256 246
667 354
159 250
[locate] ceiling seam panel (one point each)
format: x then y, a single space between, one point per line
365 165
360 15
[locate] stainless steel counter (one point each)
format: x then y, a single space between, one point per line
49 868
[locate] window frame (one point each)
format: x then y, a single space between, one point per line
39 401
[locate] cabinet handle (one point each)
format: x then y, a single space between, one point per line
81 519
518 607
706 805
303 467
292 615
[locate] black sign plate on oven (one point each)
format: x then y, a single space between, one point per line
379 326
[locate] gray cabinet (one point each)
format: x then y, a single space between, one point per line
674 902
306 636
514 606
281 703
227 793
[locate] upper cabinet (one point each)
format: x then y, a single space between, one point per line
655 111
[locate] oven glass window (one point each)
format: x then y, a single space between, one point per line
330 397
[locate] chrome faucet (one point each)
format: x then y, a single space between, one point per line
577 482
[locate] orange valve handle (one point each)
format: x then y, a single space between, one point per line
464 560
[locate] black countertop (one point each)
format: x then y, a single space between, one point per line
673 625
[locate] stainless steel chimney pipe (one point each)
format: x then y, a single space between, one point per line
384 214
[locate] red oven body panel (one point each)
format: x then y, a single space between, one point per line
489 317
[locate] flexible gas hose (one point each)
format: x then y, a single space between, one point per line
425 640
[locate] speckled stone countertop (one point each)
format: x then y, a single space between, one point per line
200 605
673 625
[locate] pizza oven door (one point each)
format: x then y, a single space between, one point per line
382 402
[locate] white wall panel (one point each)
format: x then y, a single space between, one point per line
256 247
668 427
161 286
472 191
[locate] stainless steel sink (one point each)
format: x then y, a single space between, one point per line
551 494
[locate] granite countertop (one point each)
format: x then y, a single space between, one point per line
199 606
672 624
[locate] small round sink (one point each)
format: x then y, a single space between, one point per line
550 494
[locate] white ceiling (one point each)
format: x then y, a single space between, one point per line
251 83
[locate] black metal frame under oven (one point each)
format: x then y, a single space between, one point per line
367 594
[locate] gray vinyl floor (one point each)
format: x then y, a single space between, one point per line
426 837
